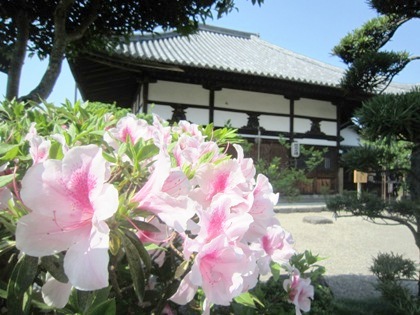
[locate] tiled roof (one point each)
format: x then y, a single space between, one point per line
234 51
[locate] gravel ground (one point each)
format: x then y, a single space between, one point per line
349 245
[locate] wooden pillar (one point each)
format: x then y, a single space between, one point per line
145 96
340 176
212 97
211 105
292 100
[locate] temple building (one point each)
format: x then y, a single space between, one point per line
231 78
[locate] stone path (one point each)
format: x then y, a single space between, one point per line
349 244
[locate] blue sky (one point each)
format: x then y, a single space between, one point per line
308 27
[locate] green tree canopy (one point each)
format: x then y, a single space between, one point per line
56 29
371 67
390 121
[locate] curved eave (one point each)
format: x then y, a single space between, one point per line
115 79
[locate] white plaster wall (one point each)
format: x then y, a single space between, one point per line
301 125
237 120
198 116
252 101
315 108
163 111
275 123
327 143
165 91
351 138
329 128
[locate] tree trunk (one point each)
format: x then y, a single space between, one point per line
46 85
413 177
413 180
18 56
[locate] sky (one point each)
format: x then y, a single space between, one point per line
308 27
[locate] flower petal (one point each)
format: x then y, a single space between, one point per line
185 292
56 293
39 235
86 262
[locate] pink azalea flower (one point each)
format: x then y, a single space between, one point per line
161 133
69 202
262 208
223 178
56 293
246 164
5 196
62 140
39 147
275 245
128 128
189 151
219 268
159 238
219 219
166 194
184 126
300 292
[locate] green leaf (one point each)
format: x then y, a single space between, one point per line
105 308
147 151
144 226
114 243
275 270
248 299
6 179
110 158
141 249
122 149
54 264
97 132
11 154
5 148
181 269
135 266
20 281
56 151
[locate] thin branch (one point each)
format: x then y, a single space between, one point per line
91 16
372 218
399 220
387 38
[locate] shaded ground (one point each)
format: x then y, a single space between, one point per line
349 245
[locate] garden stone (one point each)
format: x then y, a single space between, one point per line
314 219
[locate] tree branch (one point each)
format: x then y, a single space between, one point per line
391 218
388 37
18 55
92 15
45 86
58 49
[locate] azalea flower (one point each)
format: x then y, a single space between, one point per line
300 292
69 201
190 150
5 196
39 146
219 268
128 128
55 293
262 208
166 194
275 245
223 178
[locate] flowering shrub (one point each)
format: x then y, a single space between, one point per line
107 212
